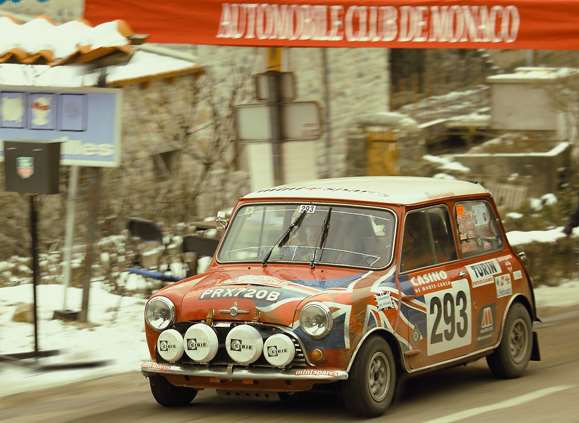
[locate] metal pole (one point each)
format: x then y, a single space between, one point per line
275 102
91 236
69 231
328 112
35 270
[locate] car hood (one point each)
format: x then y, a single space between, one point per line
269 295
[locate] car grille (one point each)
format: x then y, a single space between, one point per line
223 359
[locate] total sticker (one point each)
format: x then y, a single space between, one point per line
504 285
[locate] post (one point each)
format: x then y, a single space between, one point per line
93 209
35 270
69 231
274 101
327 117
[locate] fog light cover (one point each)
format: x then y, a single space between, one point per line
201 343
279 350
170 345
244 344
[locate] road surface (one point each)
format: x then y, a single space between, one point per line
549 392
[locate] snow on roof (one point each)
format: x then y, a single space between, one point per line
142 66
537 74
382 189
44 42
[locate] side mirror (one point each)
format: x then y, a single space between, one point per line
145 230
523 256
223 218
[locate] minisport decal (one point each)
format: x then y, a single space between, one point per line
448 318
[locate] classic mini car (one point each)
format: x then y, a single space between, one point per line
351 282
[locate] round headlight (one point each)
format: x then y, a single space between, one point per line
316 320
159 313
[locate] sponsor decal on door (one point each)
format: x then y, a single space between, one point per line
482 273
504 285
486 322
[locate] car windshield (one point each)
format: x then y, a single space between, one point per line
356 236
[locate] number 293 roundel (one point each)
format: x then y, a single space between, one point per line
448 318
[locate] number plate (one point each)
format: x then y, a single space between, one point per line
448 318
309 208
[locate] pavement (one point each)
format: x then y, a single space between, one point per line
548 392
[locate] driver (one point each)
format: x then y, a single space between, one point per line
305 238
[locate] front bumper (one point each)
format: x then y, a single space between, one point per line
149 368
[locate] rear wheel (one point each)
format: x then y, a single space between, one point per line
169 395
370 388
512 356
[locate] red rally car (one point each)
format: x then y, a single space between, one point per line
351 281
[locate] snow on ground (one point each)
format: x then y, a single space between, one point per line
564 295
526 237
117 334
445 163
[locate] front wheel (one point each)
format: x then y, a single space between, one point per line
370 388
169 395
512 356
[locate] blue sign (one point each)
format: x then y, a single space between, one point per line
86 121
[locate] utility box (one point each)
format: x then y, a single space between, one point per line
32 167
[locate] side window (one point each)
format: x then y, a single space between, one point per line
427 239
477 228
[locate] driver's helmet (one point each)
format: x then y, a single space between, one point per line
309 230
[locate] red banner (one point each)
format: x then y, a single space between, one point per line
522 24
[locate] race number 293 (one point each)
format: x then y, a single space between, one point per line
448 318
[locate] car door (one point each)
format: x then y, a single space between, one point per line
436 306
489 268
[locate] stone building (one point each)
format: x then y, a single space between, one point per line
162 174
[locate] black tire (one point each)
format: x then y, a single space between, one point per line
170 395
512 356
374 362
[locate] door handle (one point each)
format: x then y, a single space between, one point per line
462 273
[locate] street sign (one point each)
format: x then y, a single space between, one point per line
287 86
301 122
253 122
87 121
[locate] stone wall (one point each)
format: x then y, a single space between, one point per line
541 172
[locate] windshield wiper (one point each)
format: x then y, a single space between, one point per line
285 236
323 238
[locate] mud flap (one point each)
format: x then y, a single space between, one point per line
535 353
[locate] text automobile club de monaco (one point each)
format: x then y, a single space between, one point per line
416 24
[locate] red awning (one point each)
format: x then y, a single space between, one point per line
517 24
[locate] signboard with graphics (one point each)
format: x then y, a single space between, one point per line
86 121
515 24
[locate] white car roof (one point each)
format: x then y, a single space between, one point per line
383 189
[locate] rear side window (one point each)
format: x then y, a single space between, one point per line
477 228
428 239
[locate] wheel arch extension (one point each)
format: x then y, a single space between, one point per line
521 299
392 342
